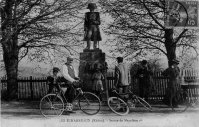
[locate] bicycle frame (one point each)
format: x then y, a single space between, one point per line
132 97
121 107
128 93
61 92
84 100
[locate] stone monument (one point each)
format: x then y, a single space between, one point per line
90 58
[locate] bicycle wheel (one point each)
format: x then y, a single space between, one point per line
118 106
193 102
184 102
89 103
141 102
51 105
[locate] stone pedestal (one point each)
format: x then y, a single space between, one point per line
88 60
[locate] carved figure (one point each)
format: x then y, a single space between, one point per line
91 26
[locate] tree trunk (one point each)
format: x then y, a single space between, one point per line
10 47
170 45
11 65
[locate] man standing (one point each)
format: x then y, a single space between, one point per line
173 73
121 77
71 77
144 76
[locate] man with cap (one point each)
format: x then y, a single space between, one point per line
71 77
121 77
173 73
144 74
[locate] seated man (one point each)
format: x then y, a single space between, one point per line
71 77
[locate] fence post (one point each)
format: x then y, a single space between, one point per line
31 87
106 86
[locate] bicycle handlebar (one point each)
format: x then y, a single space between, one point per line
116 91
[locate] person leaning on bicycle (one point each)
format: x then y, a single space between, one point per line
69 73
121 77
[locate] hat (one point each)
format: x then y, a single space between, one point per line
144 62
119 59
97 66
175 61
92 5
56 69
69 58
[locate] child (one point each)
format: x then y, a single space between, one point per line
52 80
97 78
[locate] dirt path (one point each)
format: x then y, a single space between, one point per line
22 114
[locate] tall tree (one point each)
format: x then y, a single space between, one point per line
139 26
38 25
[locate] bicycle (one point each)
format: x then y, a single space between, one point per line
186 99
54 104
182 101
193 102
120 107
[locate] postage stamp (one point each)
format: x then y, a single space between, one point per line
182 13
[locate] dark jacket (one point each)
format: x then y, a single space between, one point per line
173 74
173 85
144 75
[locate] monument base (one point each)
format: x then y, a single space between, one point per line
88 60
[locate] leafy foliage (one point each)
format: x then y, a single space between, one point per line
42 25
139 28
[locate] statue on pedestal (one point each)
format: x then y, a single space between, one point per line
91 27
95 56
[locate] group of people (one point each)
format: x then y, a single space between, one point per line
144 73
145 81
121 82
92 33
70 77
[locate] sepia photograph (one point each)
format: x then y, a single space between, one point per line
99 63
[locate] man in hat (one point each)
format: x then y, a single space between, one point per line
144 75
173 73
69 73
121 77
91 26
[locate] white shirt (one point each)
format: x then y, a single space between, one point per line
66 75
123 71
